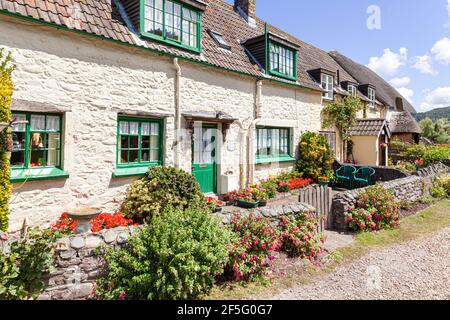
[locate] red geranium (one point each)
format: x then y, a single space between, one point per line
108 221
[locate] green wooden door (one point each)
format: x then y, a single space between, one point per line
204 157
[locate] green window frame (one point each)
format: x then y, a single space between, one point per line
273 144
139 143
37 147
282 61
172 22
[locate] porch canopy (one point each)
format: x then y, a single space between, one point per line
370 127
208 116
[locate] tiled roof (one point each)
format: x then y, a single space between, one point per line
384 91
368 127
103 18
403 122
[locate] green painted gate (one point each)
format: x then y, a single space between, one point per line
204 166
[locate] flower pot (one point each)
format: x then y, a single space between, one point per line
262 203
247 205
324 183
218 210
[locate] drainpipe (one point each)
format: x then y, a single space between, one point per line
251 130
177 112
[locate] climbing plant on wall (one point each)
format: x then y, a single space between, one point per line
6 90
342 115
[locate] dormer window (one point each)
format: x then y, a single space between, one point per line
172 22
282 61
352 90
219 39
327 85
371 96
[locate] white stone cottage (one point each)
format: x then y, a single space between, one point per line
112 87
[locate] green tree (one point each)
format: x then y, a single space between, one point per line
6 90
437 131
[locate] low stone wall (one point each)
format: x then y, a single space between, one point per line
79 258
408 189
273 213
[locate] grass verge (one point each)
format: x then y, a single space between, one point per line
428 221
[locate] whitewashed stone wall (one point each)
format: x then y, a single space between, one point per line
91 81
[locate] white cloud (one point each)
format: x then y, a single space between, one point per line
424 64
437 98
389 63
441 51
408 94
400 82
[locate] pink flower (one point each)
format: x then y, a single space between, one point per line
122 295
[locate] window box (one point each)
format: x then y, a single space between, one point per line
263 160
34 174
130 172
247 204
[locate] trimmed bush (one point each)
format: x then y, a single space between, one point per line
161 188
315 156
177 256
375 209
441 187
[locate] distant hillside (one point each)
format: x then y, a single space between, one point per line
434 114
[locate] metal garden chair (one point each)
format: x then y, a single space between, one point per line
364 177
345 176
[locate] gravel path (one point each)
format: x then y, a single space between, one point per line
418 269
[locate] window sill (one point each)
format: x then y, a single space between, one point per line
35 174
131 171
172 43
275 160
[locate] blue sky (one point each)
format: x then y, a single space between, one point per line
411 49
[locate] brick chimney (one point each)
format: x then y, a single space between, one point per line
247 9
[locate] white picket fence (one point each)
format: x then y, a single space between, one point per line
320 197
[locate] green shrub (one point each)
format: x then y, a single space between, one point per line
375 209
441 187
270 186
6 91
161 188
429 154
177 256
315 156
23 268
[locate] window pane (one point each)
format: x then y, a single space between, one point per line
19 117
154 142
145 142
52 140
37 158
145 129
154 155
124 127
37 122
17 158
134 156
154 129
134 142
53 123
124 142
145 155
134 128
123 157
37 140
53 157
19 147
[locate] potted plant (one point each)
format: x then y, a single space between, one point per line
215 205
261 195
245 199
327 178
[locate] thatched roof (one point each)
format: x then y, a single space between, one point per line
403 122
384 92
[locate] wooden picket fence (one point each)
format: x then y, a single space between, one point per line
320 197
